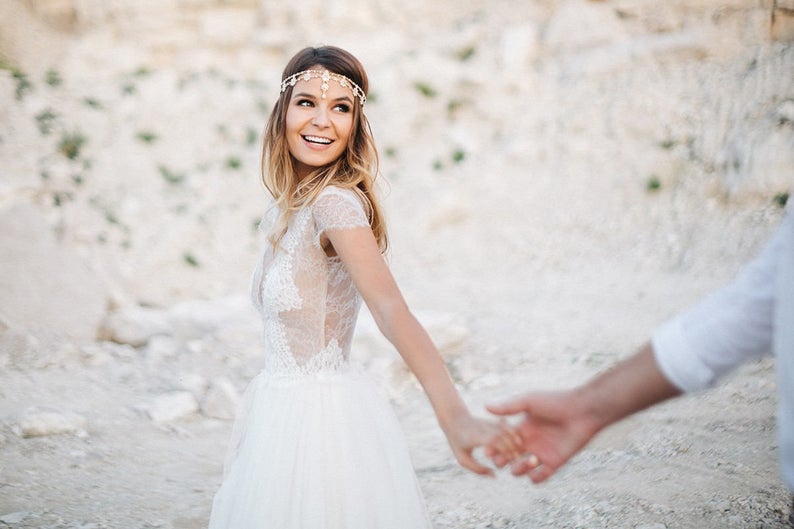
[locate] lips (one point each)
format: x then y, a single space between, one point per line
318 140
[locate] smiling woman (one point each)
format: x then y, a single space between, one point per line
316 446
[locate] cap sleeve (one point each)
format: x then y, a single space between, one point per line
338 208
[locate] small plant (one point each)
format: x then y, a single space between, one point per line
458 155
437 165
23 84
111 217
390 152
46 120
146 136
190 259
53 78
233 162
141 71
781 199
91 102
170 176
59 198
71 143
425 89
128 88
667 144
653 184
466 53
453 106
77 179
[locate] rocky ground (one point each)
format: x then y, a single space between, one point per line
562 177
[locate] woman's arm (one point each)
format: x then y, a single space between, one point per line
360 254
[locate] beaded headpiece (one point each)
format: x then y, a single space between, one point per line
325 75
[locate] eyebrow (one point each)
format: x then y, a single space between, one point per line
312 96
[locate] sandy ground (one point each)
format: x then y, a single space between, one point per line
703 461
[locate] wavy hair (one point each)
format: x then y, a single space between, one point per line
356 168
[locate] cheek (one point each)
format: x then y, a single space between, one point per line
345 128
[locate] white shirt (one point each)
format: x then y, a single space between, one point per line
750 317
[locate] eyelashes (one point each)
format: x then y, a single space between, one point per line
341 107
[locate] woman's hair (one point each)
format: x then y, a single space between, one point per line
355 169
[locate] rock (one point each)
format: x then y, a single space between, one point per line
44 285
221 401
134 326
95 355
194 383
42 422
172 406
14 518
160 347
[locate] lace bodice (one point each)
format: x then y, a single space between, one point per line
308 302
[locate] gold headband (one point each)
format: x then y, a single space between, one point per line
325 75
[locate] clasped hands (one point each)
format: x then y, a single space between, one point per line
550 429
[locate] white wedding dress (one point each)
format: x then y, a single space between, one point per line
315 446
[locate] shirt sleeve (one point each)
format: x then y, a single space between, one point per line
338 208
725 329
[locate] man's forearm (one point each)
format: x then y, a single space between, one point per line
630 386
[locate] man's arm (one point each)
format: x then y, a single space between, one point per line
558 424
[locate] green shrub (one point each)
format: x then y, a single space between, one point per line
71 143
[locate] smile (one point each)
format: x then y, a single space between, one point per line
317 139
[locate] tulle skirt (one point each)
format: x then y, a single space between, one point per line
323 451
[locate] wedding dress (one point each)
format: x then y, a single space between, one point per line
315 446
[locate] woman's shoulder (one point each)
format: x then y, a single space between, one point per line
333 193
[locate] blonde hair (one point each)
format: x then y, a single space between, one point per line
356 168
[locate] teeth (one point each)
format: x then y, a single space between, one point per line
317 139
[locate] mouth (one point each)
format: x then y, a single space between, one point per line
318 140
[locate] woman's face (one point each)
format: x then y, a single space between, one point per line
318 127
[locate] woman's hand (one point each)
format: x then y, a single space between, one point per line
466 433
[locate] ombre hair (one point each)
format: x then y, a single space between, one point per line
356 168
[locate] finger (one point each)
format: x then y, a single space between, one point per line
526 465
541 473
466 460
514 440
510 407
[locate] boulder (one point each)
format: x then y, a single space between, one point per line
38 422
172 406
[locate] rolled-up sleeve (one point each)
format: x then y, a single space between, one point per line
725 329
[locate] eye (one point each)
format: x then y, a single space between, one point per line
304 103
342 107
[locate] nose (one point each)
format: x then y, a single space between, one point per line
320 118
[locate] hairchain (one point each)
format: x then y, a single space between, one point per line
325 75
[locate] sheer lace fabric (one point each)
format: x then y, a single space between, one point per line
307 300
